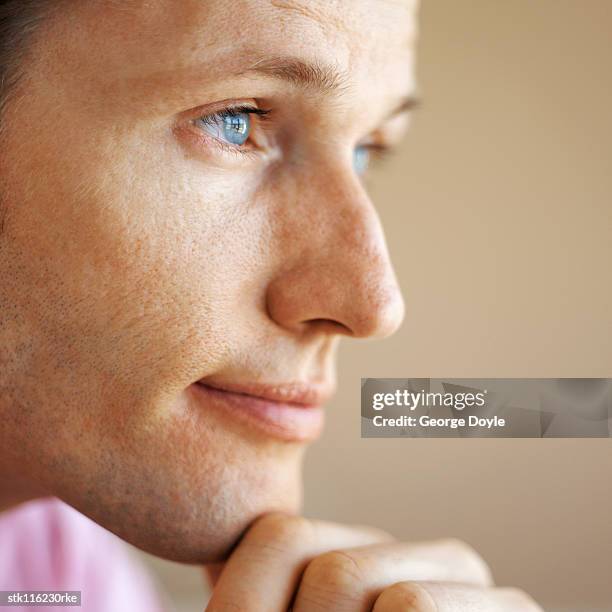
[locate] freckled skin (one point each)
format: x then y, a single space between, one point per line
133 264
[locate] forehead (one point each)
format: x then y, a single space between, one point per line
326 20
369 39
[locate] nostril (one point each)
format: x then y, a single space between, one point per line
329 326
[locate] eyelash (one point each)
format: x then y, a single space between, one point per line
379 151
232 111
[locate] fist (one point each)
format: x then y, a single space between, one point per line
291 563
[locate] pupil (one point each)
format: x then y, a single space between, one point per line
236 128
237 124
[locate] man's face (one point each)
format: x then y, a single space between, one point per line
160 231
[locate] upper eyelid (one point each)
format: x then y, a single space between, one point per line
231 111
236 110
215 109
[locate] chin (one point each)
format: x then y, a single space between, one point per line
202 529
187 523
186 498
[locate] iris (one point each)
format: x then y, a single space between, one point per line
361 159
229 126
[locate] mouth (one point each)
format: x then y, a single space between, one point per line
290 412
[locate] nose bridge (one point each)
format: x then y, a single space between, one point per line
370 296
342 270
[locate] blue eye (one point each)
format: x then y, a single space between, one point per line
361 159
230 126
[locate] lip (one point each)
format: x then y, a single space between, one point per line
292 412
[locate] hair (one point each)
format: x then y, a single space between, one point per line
18 21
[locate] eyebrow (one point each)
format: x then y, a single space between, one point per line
298 72
325 78
406 105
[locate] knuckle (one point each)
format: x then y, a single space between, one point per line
381 535
335 572
468 557
459 547
377 533
404 597
278 529
519 600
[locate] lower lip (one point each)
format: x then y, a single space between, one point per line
288 422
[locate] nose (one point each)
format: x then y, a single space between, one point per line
335 271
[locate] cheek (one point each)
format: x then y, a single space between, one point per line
136 274
140 261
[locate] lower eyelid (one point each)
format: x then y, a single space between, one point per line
209 145
199 123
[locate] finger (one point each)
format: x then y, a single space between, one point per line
452 597
265 569
352 579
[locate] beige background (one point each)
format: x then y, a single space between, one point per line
498 212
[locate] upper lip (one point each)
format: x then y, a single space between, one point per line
298 392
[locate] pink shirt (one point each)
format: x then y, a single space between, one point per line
45 545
